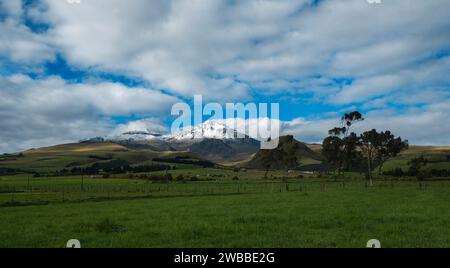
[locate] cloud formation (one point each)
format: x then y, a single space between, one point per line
38 112
390 58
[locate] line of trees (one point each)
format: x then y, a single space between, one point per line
344 150
117 166
188 161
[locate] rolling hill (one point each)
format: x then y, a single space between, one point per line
290 153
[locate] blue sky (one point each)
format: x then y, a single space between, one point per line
74 71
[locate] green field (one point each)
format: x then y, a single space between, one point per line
282 211
215 207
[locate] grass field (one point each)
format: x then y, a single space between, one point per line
251 212
216 207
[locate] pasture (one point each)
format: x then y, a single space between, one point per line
223 209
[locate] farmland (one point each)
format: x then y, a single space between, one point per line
284 210
188 205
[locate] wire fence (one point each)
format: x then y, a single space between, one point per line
28 194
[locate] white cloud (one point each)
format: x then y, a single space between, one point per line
226 50
144 125
18 43
221 49
426 126
48 111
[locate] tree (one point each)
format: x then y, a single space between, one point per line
369 143
350 153
340 147
388 147
268 159
331 151
416 165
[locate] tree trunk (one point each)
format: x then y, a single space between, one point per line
380 167
369 167
339 165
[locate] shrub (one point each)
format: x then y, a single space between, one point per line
180 177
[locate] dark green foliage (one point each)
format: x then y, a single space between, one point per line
397 172
98 157
331 151
415 167
9 171
180 177
388 146
339 149
178 160
113 167
348 151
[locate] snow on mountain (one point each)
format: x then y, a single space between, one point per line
135 136
140 130
211 129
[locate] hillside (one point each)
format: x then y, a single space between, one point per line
438 157
290 153
66 156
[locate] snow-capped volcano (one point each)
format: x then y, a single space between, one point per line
215 140
135 136
211 129
141 130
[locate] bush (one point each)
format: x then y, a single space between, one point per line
179 177
106 176
421 176
397 172
235 178
143 176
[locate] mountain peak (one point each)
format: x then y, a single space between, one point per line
211 129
